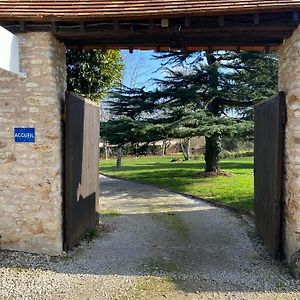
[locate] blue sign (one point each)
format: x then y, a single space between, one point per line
24 135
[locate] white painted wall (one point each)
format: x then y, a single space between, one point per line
9 52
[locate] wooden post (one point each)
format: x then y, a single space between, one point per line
119 158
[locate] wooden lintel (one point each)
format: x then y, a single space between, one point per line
151 24
296 16
22 26
267 49
187 22
116 25
190 49
257 19
221 21
252 30
82 26
177 27
54 27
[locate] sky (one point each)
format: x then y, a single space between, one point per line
140 68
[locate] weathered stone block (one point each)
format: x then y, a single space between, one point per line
31 174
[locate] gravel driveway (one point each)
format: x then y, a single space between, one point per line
160 245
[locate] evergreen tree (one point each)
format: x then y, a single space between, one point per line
210 94
224 84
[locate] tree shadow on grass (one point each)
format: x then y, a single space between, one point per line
200 166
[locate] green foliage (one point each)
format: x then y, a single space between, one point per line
236 154
122 131
235 190
91 234
92 73
222 85
213 97
109 213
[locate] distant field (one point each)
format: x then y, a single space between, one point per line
235 190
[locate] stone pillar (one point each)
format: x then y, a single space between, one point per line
31 173
289 81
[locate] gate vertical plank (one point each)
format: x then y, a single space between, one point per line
269 130
81 168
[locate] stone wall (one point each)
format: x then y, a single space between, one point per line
289 81
31 174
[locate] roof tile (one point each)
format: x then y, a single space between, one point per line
115 9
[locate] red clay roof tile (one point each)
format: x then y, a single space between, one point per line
116 9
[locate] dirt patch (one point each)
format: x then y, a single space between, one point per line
104 228
213 174
98 231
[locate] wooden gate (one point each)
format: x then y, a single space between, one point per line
270 120
81 168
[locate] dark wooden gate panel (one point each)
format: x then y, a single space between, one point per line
81 168
270 119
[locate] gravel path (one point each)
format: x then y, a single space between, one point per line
160 246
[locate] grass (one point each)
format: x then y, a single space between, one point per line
235 190
174 222
152 287
109 212
161 265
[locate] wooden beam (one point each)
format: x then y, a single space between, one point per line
171 41
257 19
267 49
151 24
187 22
260 30
54 27
190 49
82 26
296 17
22 26
133 28
221 20
177 27
116 25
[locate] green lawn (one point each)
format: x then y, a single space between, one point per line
235 190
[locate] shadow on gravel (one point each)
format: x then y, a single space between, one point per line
161 235
206 249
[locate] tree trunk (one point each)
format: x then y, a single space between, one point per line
185 147
106 150
164 145
188 149
153 148
213 143
212 153
119 158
